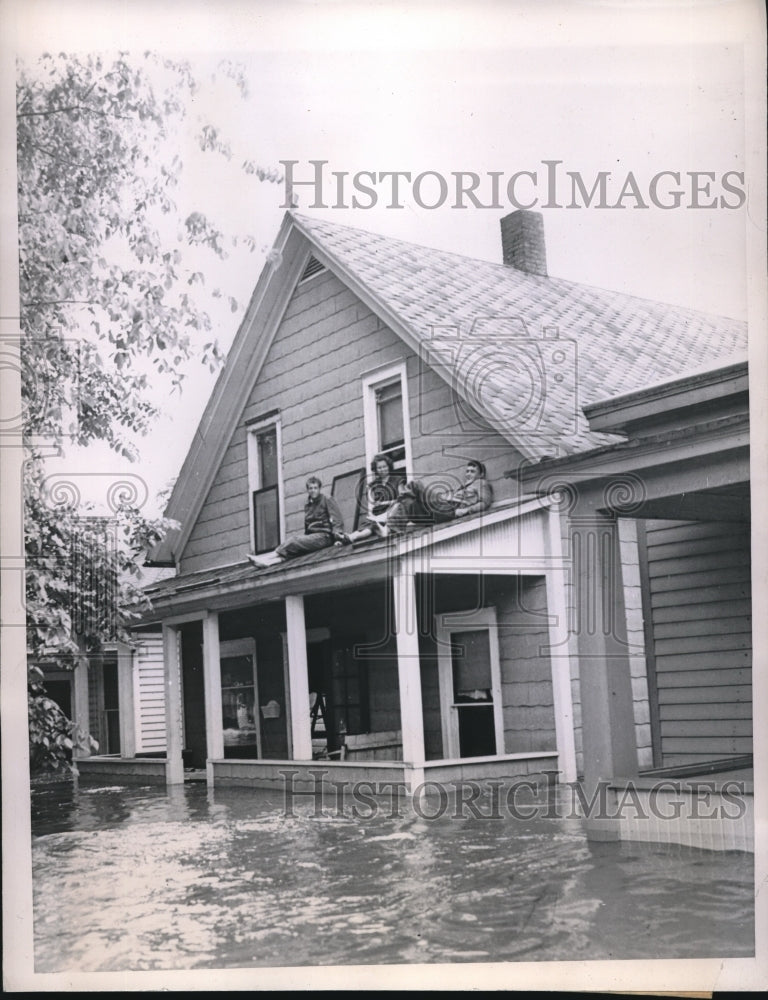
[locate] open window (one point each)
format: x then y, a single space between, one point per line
470 684
265 484
387 419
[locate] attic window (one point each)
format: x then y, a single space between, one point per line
313 267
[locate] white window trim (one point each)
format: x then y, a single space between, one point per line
254 478
245 647
476 620
371 383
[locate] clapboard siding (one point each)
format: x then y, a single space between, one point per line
525 666
706 694
327 341
699 617
150 695
694 619
700 596
707 710
690 679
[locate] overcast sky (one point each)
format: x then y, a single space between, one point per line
457 87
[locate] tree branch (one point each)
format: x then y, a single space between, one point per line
71 107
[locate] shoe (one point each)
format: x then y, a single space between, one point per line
258 563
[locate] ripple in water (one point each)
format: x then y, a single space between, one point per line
131 879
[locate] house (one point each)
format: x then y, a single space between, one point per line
680 477
116 697
455 651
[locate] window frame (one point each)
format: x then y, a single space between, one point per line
254 429
474 620
379 379
233 648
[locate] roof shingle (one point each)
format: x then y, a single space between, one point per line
527 351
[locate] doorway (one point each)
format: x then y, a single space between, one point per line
470 684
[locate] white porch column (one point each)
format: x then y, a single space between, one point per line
214 727
127 714
174 738
80 706
298 678
560 647
409 670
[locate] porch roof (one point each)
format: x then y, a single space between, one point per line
686 457
241 583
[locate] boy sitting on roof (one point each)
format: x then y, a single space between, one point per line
323 526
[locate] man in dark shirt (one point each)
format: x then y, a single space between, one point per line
323 526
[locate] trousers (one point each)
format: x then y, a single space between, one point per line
299 545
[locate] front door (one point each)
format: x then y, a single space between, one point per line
470 684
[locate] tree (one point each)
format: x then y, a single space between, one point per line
112 295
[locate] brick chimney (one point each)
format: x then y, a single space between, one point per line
522 242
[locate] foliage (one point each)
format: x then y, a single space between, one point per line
112 296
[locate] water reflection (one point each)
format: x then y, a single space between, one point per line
150 879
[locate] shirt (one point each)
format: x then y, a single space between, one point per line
382 494
474 497
322 515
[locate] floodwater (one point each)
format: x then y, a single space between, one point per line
130 879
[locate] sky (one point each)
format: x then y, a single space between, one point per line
488 87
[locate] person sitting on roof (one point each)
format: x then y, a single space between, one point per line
408 510
382 492
323 526
475 496
415 505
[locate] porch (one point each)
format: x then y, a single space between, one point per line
425 656
682 476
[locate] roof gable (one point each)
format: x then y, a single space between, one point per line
527 352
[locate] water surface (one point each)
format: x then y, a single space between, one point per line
129 879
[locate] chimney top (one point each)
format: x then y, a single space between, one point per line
522 242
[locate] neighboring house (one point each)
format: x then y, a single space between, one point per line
117 696
458 650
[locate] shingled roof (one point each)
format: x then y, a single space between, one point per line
491 327
526 351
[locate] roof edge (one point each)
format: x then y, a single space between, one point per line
655 401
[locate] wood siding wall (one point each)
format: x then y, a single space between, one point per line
633 610
150 695
312 374
698 612
526 672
